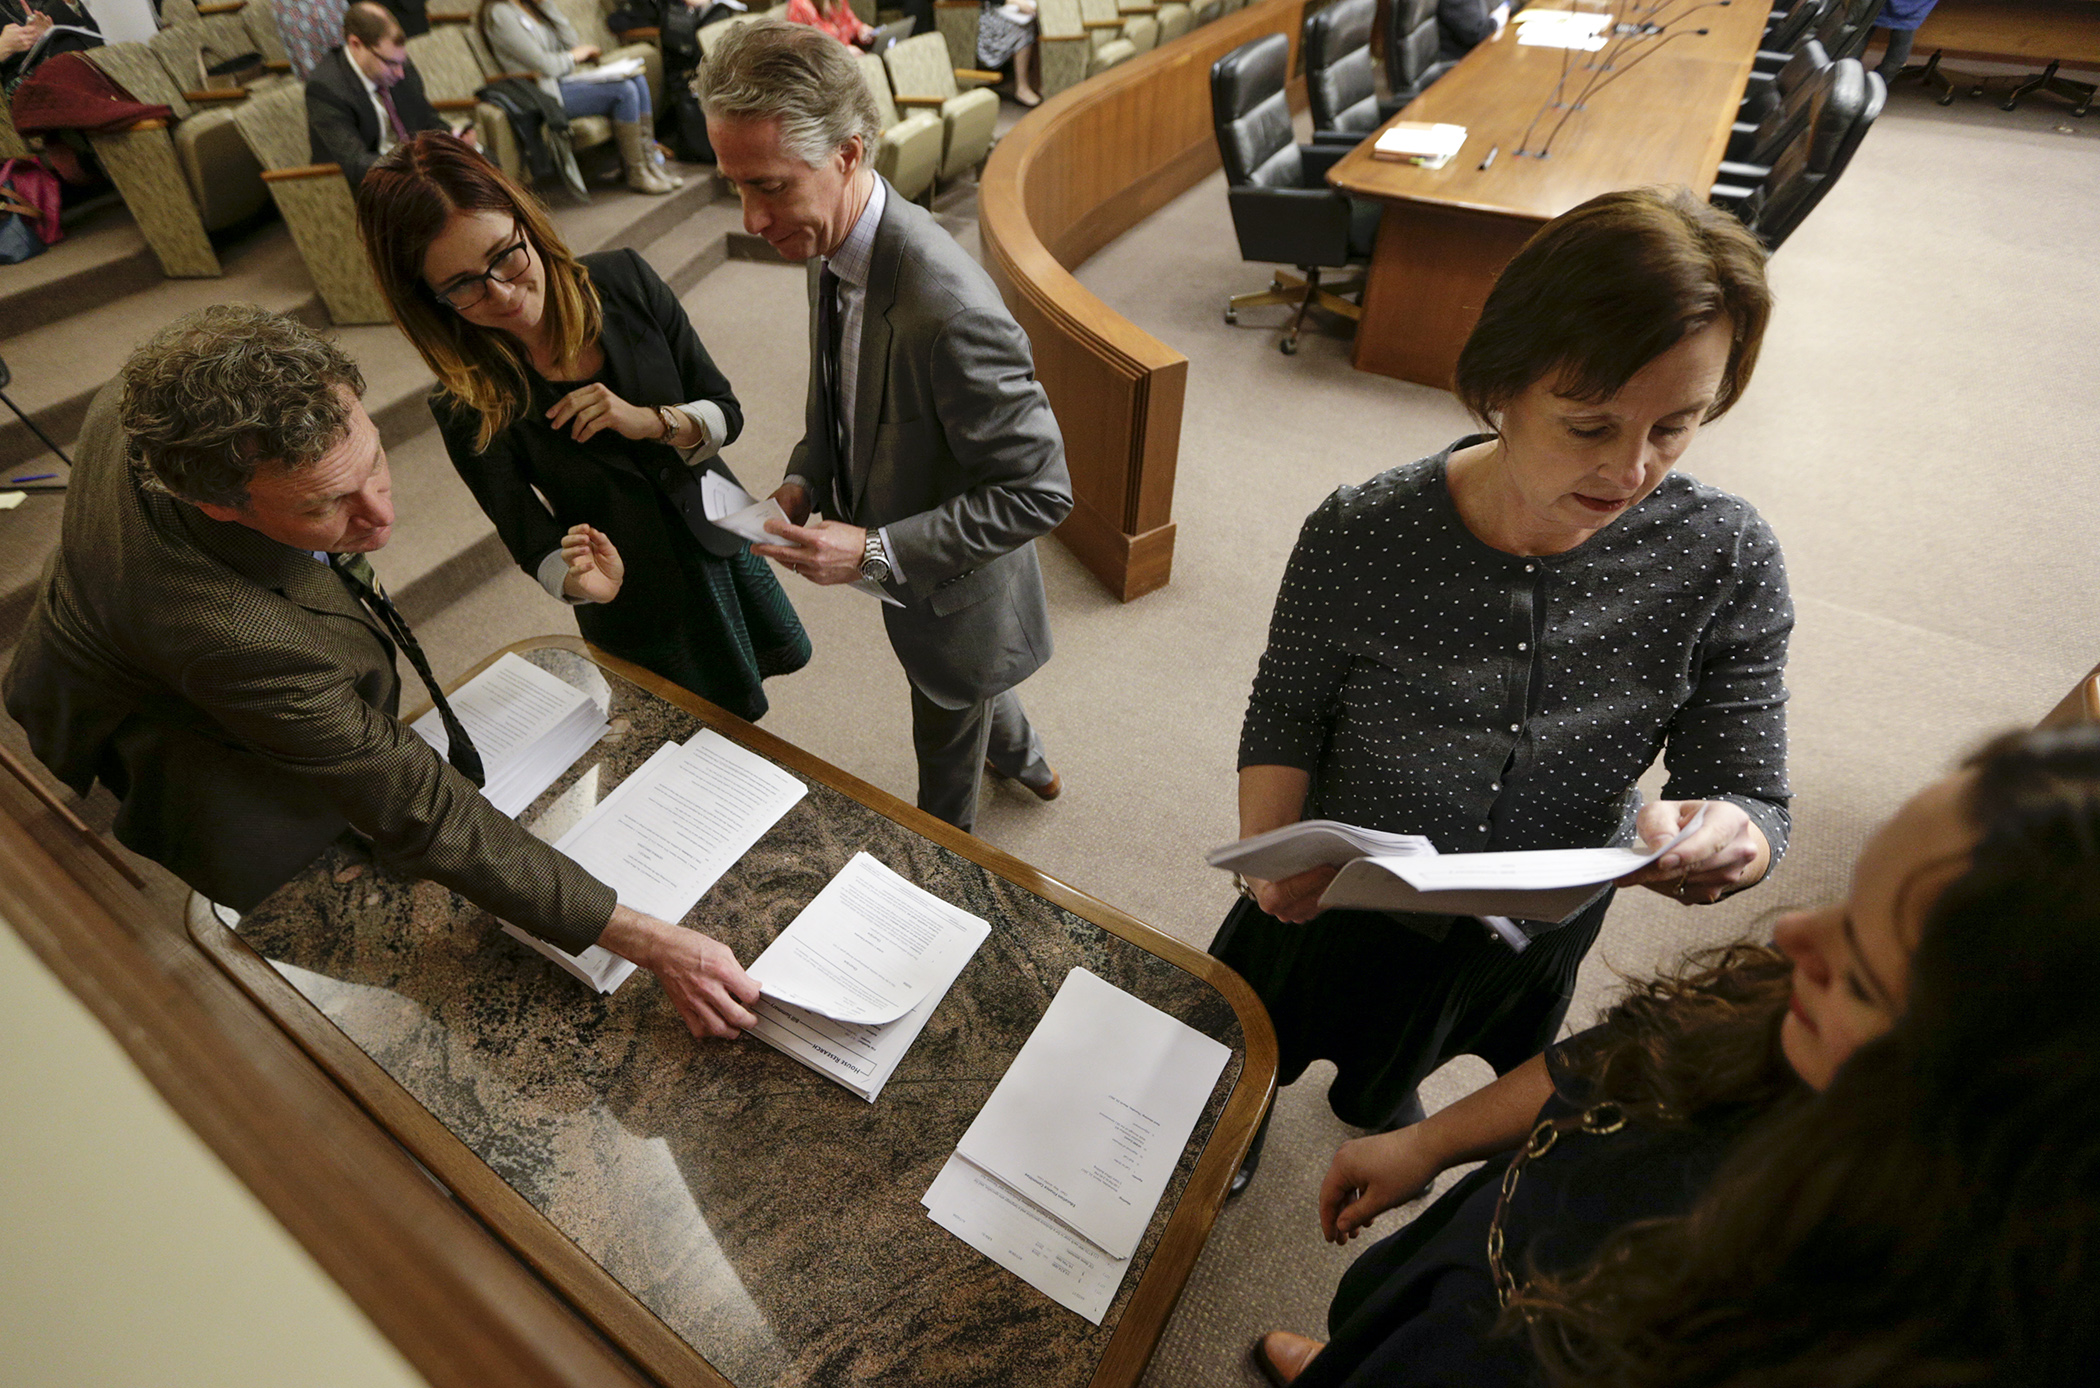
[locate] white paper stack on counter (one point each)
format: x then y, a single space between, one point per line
1061 1172
668 832
1428 144
1582 30
850 983
1541 885
528 726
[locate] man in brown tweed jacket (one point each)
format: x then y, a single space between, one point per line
194 649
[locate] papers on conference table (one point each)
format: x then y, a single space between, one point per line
851 982
667 833
618 71
1579 30
529 727
1061 1172
1404 872
1425 143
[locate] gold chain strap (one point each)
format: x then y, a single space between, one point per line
1597 1121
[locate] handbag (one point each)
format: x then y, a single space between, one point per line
28 210
218 74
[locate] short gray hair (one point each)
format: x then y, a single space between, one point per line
766 69
222 391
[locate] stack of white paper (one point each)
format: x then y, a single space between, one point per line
1061 1172
528 726
1312 843
1580 30
668 832
1420 142
851 982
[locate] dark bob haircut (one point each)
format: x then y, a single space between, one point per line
1604 289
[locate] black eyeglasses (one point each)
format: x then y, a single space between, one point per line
510 262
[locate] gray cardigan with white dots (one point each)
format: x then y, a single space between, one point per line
1433 684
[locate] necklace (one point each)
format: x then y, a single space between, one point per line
1598 1121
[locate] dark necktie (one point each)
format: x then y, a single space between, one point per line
386 100
357 573
828 327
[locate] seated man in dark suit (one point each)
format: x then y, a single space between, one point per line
212 645
364 98
1463 25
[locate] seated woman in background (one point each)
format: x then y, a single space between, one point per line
834 17
1865 1156
527 37
1490 645
582 411
1006 33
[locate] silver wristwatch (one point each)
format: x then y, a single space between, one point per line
874 560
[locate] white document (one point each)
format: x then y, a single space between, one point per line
868 948
1579 30
1539 36
875 941
608 72
1308 844
668 832
1090 1119
529 727
737 511
125 21
1004 1225
1543 885
1420 140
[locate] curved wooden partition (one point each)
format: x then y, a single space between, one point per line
1075 174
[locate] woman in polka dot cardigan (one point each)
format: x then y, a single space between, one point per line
1489 646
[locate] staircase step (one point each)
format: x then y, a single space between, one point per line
102 258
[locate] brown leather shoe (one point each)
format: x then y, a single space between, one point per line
1048 790
1282 1356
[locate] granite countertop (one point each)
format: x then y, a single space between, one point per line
766 1214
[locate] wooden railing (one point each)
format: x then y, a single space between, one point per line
1085 167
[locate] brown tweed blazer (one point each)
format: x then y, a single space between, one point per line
239 702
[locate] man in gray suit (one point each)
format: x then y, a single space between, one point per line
212 645
929 448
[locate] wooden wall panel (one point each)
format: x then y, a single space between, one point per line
1080 171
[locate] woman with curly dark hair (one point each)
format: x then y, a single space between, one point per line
1865 1156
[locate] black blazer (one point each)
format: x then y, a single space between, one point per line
642 495
343 124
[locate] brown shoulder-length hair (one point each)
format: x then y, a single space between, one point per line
1602 290
402 205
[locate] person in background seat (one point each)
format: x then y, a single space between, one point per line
365 98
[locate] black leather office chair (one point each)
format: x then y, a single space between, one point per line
1282 209
1767 89
1341 80
1411 44
1843 32
1841 103
1790 204
1803 23
1761 140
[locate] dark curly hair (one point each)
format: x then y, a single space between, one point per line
1933 1217
222 391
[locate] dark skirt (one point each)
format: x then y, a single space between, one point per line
1388 1004
728 627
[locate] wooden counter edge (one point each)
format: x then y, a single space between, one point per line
450 1297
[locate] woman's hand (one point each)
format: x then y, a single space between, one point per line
596 570
20 38
588 409
585 53
1726 854
1370 1175
1293 899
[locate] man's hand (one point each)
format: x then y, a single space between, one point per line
1727 853
701 977
1293 899
827 552
595 567
588 409
794 499
1369 1176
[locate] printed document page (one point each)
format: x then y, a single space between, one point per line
529 727
1090 1119
1004 1225
868 948
869 943
669 831
1308 844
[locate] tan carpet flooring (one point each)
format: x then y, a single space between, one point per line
1921 434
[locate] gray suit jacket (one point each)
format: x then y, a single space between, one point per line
238 700
956 452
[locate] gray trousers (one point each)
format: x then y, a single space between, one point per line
953 744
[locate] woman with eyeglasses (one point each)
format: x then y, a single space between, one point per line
578 405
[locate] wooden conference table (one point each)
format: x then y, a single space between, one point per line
720 1212
1642 110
